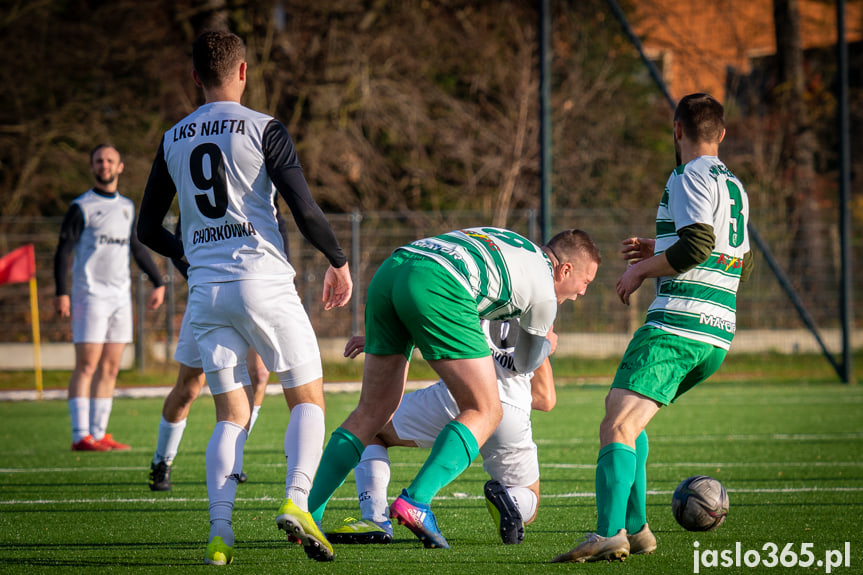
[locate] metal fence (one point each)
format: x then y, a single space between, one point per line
368 238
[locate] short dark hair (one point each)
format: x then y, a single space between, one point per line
215 56
101 147
701 116
571 244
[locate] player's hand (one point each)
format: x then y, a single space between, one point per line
637 249
630 281
355 346
62 305
551 336
338 287
157 296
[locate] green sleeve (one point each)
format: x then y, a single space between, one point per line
694 247
748 266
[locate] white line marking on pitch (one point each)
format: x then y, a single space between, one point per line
740 437
459 496
719 464
749 464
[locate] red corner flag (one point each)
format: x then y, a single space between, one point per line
18 266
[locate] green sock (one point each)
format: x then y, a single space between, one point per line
636 506
453 450
615 473
340 456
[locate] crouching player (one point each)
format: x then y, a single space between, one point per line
509 456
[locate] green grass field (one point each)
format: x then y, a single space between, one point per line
790 454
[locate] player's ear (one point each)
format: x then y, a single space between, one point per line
562 271
197 79
243 67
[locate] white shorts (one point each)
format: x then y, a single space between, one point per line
509 455
97 320
187 348
267 315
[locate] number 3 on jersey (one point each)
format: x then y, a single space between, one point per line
216 181
736 229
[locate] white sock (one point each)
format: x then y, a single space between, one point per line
100 412
224 464
373 476
254 417
79 413
170 435
304 444
525 500
224 529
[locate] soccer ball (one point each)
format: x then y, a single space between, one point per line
700 503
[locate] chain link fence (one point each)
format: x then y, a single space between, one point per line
368 238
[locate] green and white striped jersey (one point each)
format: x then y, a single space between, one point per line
701 303
507 274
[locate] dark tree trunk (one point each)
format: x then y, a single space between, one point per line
807 250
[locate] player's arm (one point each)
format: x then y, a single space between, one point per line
144 260
694 245
636 249
536 338
748 266
355 346
284 170
158 196
542 391
530 351
148 266
70 232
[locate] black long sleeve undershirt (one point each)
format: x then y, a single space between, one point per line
158 196
70 231
287 176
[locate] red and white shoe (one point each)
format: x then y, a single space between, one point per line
111 445
89 444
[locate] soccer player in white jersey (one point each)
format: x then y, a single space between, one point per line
99 230
225 162
509 456
699 256
432 294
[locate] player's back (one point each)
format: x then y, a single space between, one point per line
700 303
217 157
508 275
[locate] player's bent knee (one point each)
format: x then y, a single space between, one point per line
227 379
618 430
301 374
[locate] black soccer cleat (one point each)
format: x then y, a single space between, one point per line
504 512
160 476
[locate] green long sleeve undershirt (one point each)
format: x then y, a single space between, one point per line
695 246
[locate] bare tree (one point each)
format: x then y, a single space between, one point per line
799 146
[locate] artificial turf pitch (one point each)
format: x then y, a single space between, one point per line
790 455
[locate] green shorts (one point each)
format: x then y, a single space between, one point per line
664 366
414 301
